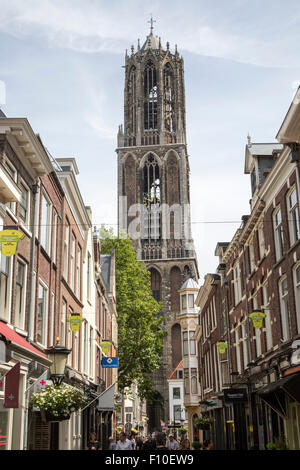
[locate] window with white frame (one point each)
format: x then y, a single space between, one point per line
176 393
78 272
72 261
69 339
185 343
284 308
46 223
194 381
238 352
245 344
293 216
261 240
251 256
177 412
51 331
192 343
54 249
191 300
5 287
278 234
266 310
237 283
66 249
257 330
296 273
13 174
42 314
186 381
91 359
24 203
183 302
21 275
214 315
63 319
88 277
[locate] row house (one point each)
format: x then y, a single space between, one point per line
251 387
51 277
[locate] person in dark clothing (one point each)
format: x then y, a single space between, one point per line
93 444
161 440
138 443
150 444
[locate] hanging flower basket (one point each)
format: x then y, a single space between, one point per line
222 346
257 317
182 431
203 423
49 417
57 403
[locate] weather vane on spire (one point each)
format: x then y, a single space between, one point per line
151 22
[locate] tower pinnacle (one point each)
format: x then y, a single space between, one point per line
151 24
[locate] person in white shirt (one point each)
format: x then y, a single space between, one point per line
173 445
123 442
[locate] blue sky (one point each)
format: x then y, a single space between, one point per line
61 63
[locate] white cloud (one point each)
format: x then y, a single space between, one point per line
89 27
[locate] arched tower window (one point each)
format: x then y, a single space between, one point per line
131 94
169 99
151 199
150 97
176 283
176 345
156 284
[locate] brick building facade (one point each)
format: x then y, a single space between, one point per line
254 386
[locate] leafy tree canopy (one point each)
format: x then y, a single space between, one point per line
140 336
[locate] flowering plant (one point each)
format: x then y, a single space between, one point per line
59 401
203 422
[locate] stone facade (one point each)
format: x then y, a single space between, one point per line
153 175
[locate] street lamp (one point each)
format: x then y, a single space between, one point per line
58 355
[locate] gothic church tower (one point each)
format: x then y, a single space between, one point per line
153 189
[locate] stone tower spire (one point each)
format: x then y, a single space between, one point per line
153 187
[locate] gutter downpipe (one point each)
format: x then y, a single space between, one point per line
31 309
249 350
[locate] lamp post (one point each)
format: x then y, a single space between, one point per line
58 355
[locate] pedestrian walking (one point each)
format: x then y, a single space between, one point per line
138 443
112 445
185 444
123 443
161 441
173 444
149 444
207 444
93 443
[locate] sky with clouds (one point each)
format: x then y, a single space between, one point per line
61 67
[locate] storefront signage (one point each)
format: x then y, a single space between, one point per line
75 322
222 346
9 240
105 346
110 362
235 395
257 317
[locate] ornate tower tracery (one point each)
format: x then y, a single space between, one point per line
153 185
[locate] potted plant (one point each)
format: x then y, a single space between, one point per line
57 403
182 431
278 444
196 445
203 422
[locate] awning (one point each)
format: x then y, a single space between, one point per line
106 400
274 393
20 343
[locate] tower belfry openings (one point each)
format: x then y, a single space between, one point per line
153 176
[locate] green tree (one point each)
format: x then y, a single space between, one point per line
140 336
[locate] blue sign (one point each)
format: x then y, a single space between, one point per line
110 362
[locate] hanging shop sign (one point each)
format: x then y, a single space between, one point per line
235 395
9 239
222 346
110 362
105 346
257 317
75 321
